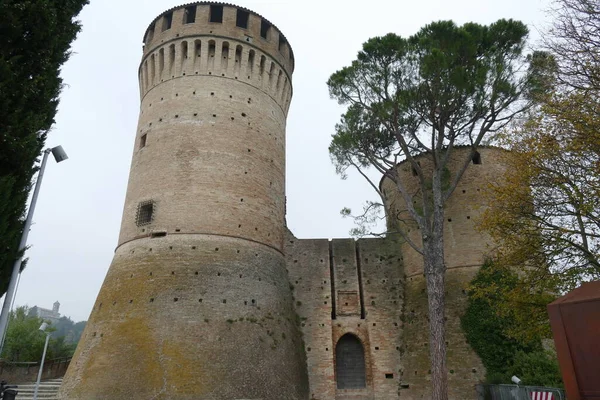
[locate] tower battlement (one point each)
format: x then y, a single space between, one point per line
220 40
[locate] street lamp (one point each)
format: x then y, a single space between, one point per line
43 328
59 155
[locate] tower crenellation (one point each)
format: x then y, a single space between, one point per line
239 45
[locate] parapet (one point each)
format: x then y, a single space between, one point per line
221 20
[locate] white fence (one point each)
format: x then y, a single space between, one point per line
514 392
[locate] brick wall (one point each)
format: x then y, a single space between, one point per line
197 302
368 292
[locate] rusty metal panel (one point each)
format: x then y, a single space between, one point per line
575 321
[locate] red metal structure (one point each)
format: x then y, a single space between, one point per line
575 321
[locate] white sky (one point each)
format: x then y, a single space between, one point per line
78 215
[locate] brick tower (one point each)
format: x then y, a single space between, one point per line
197 302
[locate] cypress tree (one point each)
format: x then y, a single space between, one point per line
35 38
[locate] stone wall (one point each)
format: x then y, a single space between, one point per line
349 287
197 302
27 372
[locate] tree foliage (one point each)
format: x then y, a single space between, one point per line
494 326
445 86
25 342
546 215
36 36
71 331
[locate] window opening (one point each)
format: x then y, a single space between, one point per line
241 20
350 363
167 21
161 62
189 17
282 42
225 55
216 13
251 56
263 60
145 213
477 158
143 140
264 28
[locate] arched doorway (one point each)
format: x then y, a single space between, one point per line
350 363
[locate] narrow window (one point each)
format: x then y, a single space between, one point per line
264 28
189 16
271 73
145 213
282 42
216 14
143 140
152 68
350 363
161 62
263 59
238 59
198 44
242 19
184 50
477 158
211 54
171 59
251 56
225 55
167 21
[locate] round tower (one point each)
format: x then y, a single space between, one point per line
196 303
465 248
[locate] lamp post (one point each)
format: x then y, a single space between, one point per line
59 155
43 328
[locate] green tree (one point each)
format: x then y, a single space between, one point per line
36 36
545 215
493 324
65 327
445 86
25 342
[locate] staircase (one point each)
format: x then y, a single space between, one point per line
48 390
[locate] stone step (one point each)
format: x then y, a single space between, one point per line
48 390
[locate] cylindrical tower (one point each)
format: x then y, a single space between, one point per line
197 303
465 248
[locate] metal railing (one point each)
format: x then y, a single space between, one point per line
518 392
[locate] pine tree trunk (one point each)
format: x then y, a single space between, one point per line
435 271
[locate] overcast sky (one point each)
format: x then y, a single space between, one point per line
77 218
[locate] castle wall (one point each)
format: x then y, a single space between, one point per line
365 300
197 302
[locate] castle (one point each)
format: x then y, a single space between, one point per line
209 295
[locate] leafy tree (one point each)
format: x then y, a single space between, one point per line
494 329
66 328
25 342
546 215
445 86
36 36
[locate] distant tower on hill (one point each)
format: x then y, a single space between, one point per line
197 303
46 314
